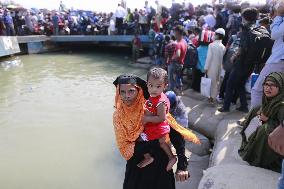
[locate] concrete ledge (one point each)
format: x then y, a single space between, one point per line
98 38
233 176
8 45
204 117
32 38
227 169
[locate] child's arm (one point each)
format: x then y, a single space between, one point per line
160 117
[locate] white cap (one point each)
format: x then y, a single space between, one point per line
220 31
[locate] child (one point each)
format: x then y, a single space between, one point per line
136 46
156 109
214 60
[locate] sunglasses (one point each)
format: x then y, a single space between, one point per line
269 85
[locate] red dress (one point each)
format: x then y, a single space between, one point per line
154 131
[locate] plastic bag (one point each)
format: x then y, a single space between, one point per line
205 86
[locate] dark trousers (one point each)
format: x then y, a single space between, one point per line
10 31
119 24
223 85
196 79
236 82
223 88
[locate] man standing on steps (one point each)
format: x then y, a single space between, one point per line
275 63
178 60
243 64
120 13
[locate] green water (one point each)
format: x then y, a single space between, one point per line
56 127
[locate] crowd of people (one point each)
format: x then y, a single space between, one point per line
122 21
240 49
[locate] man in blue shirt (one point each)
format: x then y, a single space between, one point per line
8 20
275 63
55 22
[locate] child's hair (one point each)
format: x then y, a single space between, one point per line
158 73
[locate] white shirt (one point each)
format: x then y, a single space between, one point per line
159 9
120 12
277 34
147 9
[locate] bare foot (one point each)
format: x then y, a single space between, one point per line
145 162
171 163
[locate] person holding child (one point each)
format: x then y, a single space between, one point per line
130 99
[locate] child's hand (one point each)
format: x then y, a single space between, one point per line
145 120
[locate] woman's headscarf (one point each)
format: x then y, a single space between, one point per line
127 120
270 106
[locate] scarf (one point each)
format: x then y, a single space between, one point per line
127 121
270 106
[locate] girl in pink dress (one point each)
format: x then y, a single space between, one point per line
156 109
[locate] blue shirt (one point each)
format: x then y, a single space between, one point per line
202 55
277 34
8 19
55 20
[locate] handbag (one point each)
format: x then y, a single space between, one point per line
205 86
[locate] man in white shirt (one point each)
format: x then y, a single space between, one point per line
120 13
159 14
275 63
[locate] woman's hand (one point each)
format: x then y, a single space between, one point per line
182 176
263 118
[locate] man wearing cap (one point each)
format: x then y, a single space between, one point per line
214 60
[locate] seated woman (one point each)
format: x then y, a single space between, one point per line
131 95
178 109
260 122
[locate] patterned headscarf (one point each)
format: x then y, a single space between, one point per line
127 120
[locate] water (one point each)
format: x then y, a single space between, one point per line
56 121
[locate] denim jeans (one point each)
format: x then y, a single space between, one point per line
171 80
281 181
175 75
178 71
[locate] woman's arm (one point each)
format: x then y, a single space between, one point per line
178 142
